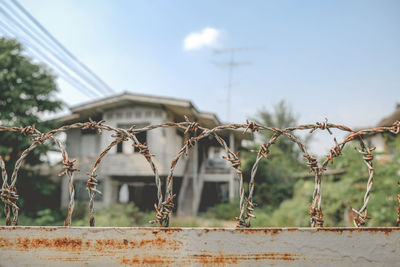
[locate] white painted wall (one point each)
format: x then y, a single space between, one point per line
164 143
377 141
73 143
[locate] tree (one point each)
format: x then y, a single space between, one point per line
281 117
26 94
342 193
274 179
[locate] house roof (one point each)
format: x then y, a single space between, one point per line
179 107
388 121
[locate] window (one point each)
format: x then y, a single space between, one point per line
119 147
142 138
81 193
181 134
89 131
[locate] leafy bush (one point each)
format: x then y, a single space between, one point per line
116 215
224 211
341 194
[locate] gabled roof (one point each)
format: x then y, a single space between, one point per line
388 121
179 107
121 99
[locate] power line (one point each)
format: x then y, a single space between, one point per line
33 47
47 48
51 37
28 30
38 52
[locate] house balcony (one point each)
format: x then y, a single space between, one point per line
217 170
119 164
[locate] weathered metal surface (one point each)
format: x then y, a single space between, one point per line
63 246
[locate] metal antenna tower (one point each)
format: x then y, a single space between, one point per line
230 65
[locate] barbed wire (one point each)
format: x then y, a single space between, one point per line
69 170
361 215
193 133
9 192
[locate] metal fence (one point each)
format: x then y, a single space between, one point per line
193 133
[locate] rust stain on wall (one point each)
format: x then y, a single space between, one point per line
208 259
148 260
376 230
57 243
4 242
235 258
98 245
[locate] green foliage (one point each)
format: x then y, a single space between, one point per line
224 211
48 217
340 194
41 218
116 215
26 94
274 179
275 176
282 116
291 213
37 192
26 88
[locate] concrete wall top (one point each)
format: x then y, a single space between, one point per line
63 246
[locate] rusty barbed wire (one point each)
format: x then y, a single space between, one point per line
316 212
92 182
9 198
69 170
163 214
261 153
165 204
233 158
144 150
11 189
9 192
121 136
361 214
315 208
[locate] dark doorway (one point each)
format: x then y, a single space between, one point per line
213 193
143 191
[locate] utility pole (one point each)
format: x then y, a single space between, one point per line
230 65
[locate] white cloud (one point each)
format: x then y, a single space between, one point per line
208 37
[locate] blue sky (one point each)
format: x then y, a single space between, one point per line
334 59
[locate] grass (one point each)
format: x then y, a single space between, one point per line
117 215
